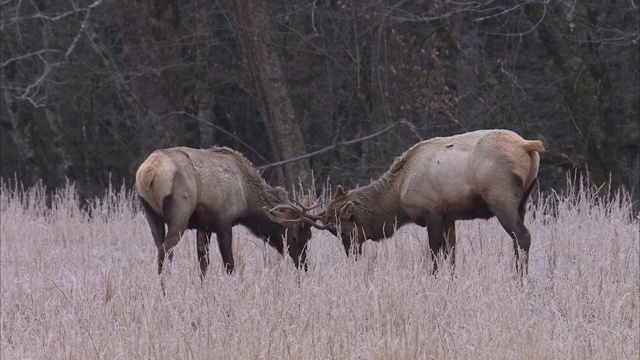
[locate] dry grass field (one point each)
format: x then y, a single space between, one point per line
79 282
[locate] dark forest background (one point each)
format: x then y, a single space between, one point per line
90 88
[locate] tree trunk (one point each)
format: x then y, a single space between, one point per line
21 130
469 109
271 88
153 53
63 166
203 91
590 133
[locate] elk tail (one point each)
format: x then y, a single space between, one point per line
533 148
148 171
145 177
534 145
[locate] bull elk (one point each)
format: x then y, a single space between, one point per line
212 190
478 174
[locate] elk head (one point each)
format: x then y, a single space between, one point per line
339 218
298 222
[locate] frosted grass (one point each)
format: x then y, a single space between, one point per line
79 281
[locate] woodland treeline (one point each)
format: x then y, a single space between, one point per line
90 88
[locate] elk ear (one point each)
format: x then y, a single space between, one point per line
346 211
306 202
339 191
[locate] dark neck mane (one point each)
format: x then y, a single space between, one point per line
260 225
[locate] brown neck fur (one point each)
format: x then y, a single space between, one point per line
378 211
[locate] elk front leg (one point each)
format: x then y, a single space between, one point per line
203 239
226 249
450 236
435 229
352 246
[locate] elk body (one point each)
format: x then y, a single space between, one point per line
479 174
211 190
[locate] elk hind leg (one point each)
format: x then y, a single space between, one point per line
513 224
177 216
165 251
155 221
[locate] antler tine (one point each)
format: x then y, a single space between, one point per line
304 208
315 225
283 206
305 211
316 217
313 217
307 218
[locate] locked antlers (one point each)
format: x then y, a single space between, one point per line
278 213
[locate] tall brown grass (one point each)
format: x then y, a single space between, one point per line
78 281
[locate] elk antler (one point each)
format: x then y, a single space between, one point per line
302 211
313 217
315 225
305 209
282 207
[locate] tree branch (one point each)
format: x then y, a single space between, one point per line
331 147
221 130
21 57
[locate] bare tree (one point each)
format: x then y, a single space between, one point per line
204 95
88 88
153 57
52 109
34 64
271 89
